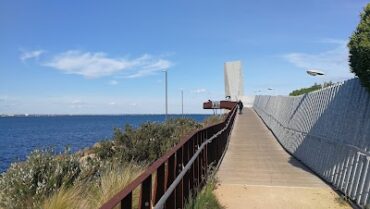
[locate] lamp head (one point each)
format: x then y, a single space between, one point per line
314 72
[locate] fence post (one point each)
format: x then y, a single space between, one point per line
191 172
146 193
186 177
170 176
159 183
179 188
126 203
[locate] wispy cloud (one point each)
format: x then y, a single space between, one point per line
199 91
25 55
333 62
150 66
87 64
113 82
99 64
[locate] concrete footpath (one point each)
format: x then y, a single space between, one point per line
257 172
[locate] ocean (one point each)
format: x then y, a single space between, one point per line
20 135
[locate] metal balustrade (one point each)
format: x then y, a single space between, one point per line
173 178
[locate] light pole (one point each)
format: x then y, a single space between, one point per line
182 103
166 98
314 72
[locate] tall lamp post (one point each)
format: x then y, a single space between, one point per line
182 103
166 96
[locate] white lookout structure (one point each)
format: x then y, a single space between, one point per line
234 83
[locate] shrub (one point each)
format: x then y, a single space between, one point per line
146 143
214 119
359 49
305 90
315 87
25 184
205 199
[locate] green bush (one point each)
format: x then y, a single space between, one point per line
25 184
146 143
359 49
313 88
214 119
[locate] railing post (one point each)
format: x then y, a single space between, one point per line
170 176
204 155
179 188
201 161
191 172
186 177
159 186
206 151
126 203
196 164
146 193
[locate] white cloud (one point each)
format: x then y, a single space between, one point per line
89 65
200 91
150 68
113 82
31 54
98 64
112 103
333 62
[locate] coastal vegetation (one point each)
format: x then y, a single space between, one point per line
88 178
359 49
312 88
205 199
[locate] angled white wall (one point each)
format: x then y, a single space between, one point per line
234 84
329 131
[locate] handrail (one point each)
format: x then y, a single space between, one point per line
166 195
171 165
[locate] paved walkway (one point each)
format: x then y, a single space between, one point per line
256 172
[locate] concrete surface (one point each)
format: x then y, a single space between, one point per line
257 173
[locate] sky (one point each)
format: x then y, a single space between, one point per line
108 57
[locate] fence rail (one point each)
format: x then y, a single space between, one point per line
181 171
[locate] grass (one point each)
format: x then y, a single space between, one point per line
205 199
94 194
213 119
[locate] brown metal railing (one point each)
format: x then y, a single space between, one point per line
181 171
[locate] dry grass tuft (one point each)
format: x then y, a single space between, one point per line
97 193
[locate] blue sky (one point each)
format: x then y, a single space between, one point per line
107 57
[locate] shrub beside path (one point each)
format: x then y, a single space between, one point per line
257 172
